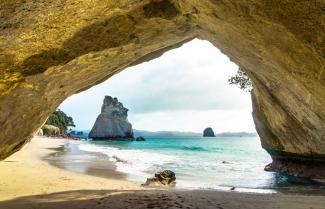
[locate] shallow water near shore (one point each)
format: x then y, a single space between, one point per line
199 163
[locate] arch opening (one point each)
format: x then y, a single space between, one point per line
171 100
170 106
287 67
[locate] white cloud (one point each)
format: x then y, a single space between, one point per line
195 121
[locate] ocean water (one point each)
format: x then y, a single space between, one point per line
199 162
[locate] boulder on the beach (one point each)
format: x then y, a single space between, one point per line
50 130
163 178
140 138
112 122
208 132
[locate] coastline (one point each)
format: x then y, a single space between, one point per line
101 164
27 178
27 173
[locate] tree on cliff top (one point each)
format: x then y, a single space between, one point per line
59 119
242 80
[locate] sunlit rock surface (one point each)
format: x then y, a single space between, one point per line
112 122
50 50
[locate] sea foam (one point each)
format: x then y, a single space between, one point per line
218 163
132 161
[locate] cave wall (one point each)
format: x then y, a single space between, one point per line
50 50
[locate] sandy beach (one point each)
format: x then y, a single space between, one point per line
29 181
25 173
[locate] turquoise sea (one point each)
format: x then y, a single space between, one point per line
199 162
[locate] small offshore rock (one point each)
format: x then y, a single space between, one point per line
208 132
140 138
164 178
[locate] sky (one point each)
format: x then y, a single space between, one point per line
186 89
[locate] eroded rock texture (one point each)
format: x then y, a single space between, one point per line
50 50
164 178
112 122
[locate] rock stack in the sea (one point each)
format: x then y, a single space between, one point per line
208 132
112 122
163 178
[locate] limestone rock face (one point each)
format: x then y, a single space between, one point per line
112 122
50 50
208 132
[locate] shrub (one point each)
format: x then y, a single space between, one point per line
60 120
242 80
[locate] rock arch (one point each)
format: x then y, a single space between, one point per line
50 50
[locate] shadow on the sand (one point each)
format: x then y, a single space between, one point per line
117 199
88 199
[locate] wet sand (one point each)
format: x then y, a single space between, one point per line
28 180
70 158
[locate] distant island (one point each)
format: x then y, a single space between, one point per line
237 134
144 133
164 133
180 133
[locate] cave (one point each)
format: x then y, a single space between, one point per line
54 49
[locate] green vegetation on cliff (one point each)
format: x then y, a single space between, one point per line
61 120
242 80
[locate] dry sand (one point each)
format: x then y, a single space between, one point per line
28 182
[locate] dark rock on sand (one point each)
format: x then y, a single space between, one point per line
208 132
112 123
140 138
163 178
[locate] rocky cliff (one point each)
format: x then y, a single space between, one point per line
50 50
112 122
208 132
